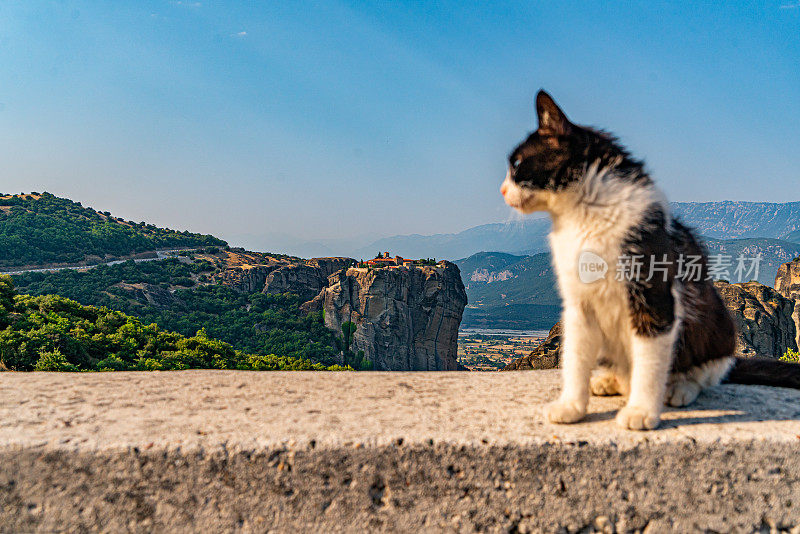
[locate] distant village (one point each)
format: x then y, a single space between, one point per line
385 261
479 352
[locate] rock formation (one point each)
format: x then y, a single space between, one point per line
252 272
249 279
763 317
305 279
150 294
787 283
545 356
247 272
406 319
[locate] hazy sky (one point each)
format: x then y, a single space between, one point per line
333 119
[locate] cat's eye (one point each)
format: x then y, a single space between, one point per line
516 163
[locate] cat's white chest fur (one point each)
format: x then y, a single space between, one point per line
588 238
585 263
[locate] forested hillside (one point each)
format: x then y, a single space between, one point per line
52 333
180 296
507 291
44 229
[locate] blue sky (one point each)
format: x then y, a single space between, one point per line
256 121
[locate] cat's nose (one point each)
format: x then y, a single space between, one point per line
503 189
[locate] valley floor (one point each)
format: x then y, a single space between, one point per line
491 350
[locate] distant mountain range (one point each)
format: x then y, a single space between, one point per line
730 220
774 253
721 220
518 291
528 236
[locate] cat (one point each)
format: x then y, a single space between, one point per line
637 297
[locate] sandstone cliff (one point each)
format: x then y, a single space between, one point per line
150 294
406 319
545 356
763 317
253 272
246 279
305 279
247 272
787 283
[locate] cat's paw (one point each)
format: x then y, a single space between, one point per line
637 418
604 385
565 411
682 393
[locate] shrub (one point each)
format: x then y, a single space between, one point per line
112 363
340 368
791 356
53 361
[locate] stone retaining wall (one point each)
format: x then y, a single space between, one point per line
403 452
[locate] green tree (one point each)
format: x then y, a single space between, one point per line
348 329
6 299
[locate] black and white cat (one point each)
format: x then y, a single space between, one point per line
659 332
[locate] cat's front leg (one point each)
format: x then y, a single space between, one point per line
651 360
581 342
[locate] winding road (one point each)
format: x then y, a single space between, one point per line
160 255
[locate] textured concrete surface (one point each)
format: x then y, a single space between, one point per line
405 452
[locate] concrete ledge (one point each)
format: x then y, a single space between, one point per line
407 452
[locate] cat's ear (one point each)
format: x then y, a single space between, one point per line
552 121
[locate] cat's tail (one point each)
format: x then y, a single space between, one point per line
765 372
